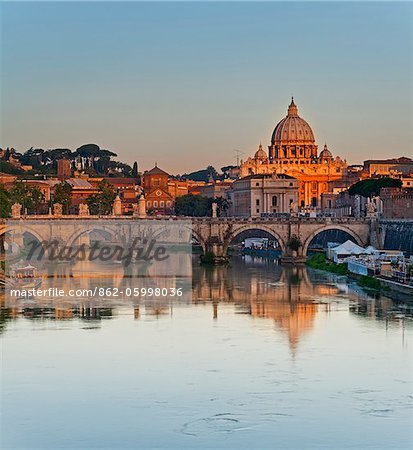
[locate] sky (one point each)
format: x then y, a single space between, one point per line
187 84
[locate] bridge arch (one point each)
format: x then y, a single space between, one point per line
198 237
254 227
88 230
347 230
6 228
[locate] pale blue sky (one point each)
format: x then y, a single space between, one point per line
184 84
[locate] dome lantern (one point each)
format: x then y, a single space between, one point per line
292 109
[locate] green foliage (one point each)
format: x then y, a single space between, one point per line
135 170
369 283
5 202
208 258
223 206
319 261
294 243
88 150
63 195
202 175
28 196
94 161
372 186
193 205
101 203
199 206
6 167
120 168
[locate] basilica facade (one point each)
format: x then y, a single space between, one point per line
293 151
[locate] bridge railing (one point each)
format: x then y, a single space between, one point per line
268 220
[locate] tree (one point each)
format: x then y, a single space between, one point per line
202 175
223 206
101 203
5 202
294 243
135 170
30 197
9 168
116 168
193 205
63 195
88 150
372 186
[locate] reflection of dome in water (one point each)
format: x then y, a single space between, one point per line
293 319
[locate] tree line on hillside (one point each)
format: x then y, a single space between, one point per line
208 174
89 158
92 160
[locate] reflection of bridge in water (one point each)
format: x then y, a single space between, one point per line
290 296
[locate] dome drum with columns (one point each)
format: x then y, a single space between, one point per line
293 151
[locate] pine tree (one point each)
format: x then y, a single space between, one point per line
135 170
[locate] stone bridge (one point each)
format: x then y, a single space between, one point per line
216 235
213 234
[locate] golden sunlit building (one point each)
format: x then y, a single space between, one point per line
293 151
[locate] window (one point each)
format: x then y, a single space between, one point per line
291 184
258 210
291 201
155 204
257 184
274 200
314 186
148 203
168 204
161 203
314 202
257 202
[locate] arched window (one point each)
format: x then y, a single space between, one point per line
274 200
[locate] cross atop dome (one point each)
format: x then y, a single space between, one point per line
292 109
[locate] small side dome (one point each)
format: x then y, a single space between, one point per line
326 154
260 153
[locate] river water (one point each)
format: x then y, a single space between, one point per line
263 356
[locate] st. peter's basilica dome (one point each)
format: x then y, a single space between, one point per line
292 129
